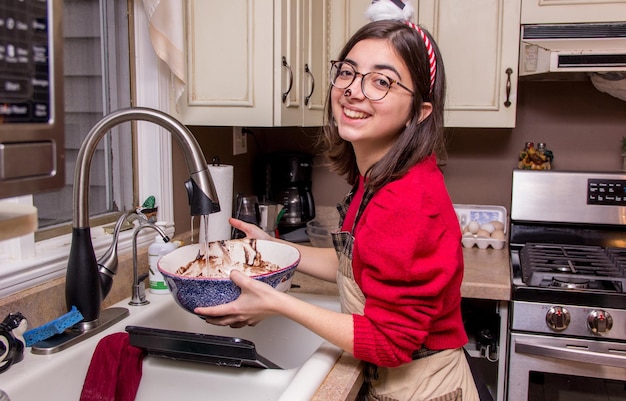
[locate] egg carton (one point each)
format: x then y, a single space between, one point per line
483 216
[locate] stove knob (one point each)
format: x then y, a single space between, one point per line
557 318
599 321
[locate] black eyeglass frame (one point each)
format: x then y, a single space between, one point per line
356 74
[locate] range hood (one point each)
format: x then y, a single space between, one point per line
557 48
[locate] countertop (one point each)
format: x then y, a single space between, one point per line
487 276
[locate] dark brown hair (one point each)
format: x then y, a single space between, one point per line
418 139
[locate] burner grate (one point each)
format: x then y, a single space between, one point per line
618 255
573 266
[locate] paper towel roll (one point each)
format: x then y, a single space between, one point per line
219 228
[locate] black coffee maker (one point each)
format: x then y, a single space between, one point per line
287 181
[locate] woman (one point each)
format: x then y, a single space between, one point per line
398 260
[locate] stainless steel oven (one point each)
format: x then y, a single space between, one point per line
32 125
568 313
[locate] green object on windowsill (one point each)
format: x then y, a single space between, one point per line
149 203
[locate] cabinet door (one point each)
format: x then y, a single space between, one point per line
287 71
315 61
347 16
303 59
229 64
479 42
564 11
247 62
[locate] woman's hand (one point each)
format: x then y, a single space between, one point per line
251 230
321 263
253 305
259 300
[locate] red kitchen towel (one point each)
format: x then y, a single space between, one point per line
115 370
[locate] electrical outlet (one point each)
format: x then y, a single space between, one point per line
240 142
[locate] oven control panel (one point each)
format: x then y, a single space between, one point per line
606 192
569 320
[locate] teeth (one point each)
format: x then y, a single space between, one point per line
354 114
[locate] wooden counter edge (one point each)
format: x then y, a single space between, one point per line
343 381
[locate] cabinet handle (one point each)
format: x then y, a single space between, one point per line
308 97
507 102
290 79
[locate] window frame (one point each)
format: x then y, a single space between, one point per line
26 263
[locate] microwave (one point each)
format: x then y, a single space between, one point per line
31 97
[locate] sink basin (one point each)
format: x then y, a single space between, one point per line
305 358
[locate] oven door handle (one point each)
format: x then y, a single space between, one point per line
570 354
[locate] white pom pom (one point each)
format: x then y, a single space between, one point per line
387 10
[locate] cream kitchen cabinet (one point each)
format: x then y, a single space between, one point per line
479 41
572 11
347 16
315 61
255 63
303 77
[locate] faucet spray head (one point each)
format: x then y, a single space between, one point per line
202 203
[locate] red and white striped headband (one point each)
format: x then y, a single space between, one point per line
432 61
398 10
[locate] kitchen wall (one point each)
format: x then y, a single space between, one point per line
582 126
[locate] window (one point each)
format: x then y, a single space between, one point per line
25 262
97 81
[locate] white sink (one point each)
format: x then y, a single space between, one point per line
305 358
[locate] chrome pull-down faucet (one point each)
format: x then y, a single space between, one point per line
83 287
87 281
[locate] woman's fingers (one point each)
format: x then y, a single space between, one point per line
251 230
247 310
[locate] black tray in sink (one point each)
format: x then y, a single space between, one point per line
196 347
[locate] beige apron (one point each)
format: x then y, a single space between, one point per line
418 380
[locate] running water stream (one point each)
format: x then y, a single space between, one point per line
204 236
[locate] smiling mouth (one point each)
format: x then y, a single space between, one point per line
354 114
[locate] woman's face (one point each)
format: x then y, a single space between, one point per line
373 126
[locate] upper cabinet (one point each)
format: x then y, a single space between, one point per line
572 11
479 42
265 63
315 61
255 63
347 16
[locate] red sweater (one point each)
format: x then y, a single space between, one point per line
408 261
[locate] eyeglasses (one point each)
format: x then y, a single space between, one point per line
374 85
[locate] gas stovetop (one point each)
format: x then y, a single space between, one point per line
556 286
568 238
573 267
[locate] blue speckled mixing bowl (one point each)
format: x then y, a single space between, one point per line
192 292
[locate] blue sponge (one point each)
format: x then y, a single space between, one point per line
56 326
